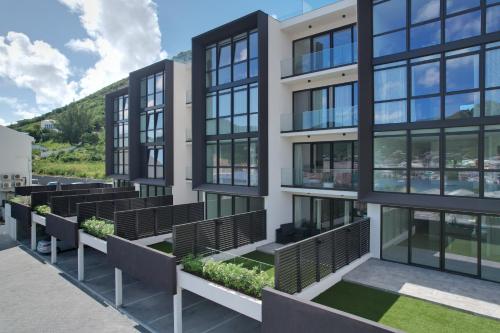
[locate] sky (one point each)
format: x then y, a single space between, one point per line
53 52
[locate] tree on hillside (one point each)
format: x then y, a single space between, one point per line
74 123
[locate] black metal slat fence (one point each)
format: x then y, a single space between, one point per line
222 234
106 209
140 223
301 264
66 205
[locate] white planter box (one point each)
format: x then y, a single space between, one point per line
244 304
38 219
93 242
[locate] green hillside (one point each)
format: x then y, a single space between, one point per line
78 148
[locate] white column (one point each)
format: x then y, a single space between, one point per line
53 250
374 211
80 261
13 229
33 236
118 287
178 310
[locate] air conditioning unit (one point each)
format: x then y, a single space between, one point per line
19 183
16 177
5 177
6 185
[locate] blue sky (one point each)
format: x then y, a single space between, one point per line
55 51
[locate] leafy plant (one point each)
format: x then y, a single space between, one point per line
98 228
42 210
234 276
23 200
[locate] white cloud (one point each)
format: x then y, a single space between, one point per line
37 66
123 42
3 122
21 110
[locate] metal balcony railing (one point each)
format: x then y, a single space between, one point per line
337 56
320 119
332 179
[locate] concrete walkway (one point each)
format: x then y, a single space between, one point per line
34 297
468 294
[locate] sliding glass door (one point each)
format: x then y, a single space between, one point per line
426 238
490 249
461 243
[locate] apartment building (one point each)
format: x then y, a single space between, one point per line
140 132
383 109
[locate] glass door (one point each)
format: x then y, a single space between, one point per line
302 56
343 115
301 110
490 250
461 243
342 210
425 238
321 167
321 214
319 108
321 51
301 164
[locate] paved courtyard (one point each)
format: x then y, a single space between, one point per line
43 298
468 294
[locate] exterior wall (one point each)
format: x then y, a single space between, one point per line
182 189
16 157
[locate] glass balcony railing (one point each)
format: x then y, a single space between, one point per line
341 55
189 173
320 119
189 134
333 179
189 96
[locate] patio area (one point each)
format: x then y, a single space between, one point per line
456 291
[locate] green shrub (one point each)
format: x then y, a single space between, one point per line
234 276
98 228
42 210
23 200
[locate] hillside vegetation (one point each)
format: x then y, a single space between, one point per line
78 148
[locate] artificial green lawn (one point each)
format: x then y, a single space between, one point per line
256 257
163 247
402 312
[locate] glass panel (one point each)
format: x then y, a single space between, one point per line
212 175
226 205
426 238
224 104
390 15
241 176
321 214
159 82
241 152
492 150
212 205
254 123
493 66
461 183
424 109
461 243
301 56
225 55
254 153
342 47
211 106
321 156
224 75
462 150
211 62
492 102
256 204
462 73
225 125
254 45
240 101
395 223
492 184
254 99
389 181
453 6
320 48
211 153
240 205
462 106
240 124
301 211
490 247
389 44
390 152
254 177
425 151
211 127
425 79
225 154
390 112
425 182
463 26
343 114
492 21
240 50
390 84
342 154
424 10
425 35
240 71
301 104
225 176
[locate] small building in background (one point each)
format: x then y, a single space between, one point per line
48 124
15 161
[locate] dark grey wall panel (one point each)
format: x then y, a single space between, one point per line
153 267
67 205
22 214
288 314
62 229
27 190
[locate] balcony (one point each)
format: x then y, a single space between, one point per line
189 134
322 119
337 56
326 179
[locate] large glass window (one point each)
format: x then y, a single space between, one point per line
490 247
425 152
461 243
390 151
426 238
390 94
154 162
395 222
492 161
120 135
